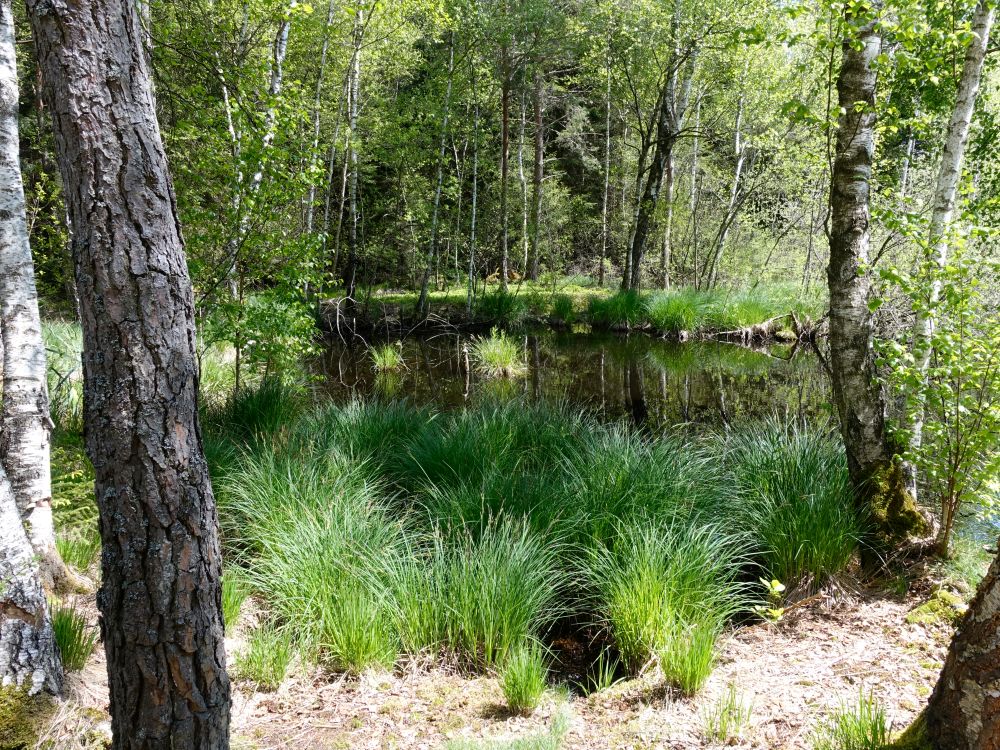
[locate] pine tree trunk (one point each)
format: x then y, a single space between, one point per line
29 656
25 423
160 597
605 228
964 709
946 189
875 476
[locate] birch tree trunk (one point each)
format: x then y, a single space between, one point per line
25 422
964 709
946 188
29 656
351 270
160 596
314 153
875 476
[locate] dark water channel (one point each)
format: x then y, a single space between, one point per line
649 381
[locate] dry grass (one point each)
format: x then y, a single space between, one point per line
795 673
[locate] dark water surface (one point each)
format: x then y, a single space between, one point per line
646 380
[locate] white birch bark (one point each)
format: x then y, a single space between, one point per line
25 424
29 656
949 173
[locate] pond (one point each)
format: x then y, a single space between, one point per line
652 382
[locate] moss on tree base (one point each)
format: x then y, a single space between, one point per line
20 717
892 512
914 737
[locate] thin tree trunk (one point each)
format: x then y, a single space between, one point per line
964 709
25 422
504 167
432 255
946 189
314 152
523 181
160 597
475 195
278 51
874 474
739 149
668 221
607 173
29 656
350 273
537 176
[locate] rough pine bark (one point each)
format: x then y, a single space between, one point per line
160 596
25 423
964 709
29 656
876 477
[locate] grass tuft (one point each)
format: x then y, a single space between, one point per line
498 355
793 500
265 658
523 678
74 636
386 357
562 309
79 547
862 726
624 309
234 593
727 719
666 591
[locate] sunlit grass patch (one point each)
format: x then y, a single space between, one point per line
666 590
75 637
386 357
522 677
793 500
498 355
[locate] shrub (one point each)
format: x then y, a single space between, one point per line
498 355
75 638
862 726
386 357
666 589
562 309
793 500
621 309
523 678
216 373
265 658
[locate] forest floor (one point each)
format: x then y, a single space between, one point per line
791 675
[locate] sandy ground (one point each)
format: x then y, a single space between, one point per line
792 674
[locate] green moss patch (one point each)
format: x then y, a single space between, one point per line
20 717
943 606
